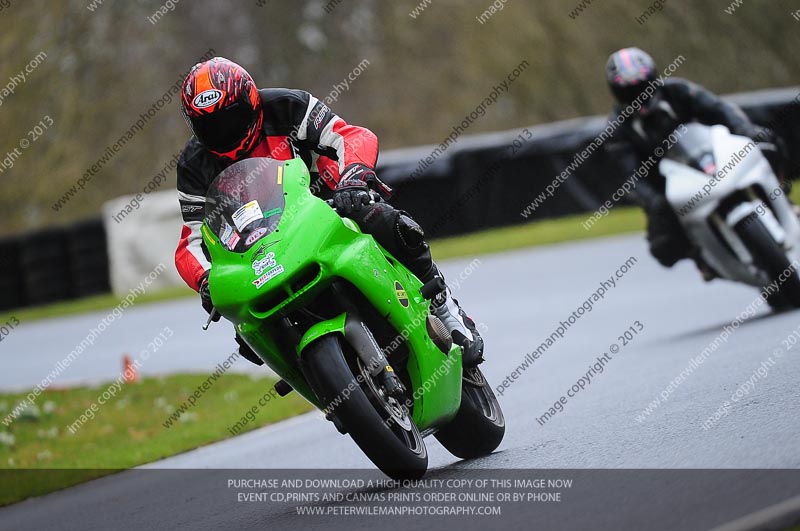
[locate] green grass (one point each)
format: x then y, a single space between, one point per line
90 304
126 431
569 228
620 220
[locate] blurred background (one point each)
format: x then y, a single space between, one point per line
90 86
105 67
90 118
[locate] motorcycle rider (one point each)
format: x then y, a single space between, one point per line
231 119
675 101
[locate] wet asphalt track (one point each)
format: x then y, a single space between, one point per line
32 350
521 297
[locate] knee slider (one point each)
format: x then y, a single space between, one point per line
410 235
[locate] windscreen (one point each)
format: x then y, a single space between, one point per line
245 202
693 147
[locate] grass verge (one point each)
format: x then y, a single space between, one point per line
90 304
549 231
126 431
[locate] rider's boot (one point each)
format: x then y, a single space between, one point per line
461 326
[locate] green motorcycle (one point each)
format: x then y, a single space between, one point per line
341 321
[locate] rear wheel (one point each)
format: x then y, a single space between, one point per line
770 256
479 425
380 425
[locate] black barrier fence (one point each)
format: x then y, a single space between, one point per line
480 182
54 264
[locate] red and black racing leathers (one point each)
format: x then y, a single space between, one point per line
296 124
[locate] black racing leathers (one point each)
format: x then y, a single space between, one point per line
678 101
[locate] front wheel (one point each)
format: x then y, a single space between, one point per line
770 256
479 426
379 424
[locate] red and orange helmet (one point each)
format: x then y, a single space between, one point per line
221 104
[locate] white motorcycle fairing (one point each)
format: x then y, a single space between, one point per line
696 198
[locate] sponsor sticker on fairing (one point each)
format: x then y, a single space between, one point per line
402 296
258 233
266 277
233 241
261 265
260 253
247 214
273 212
226 232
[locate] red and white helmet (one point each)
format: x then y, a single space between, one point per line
221 104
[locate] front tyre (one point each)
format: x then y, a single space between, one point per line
378 424
479 425
770 256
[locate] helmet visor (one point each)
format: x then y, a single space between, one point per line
629 93
224 129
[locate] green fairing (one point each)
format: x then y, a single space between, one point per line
311 235
331 326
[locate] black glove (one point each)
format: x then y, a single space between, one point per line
352 191
205 297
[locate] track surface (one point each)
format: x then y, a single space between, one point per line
521 297
31 351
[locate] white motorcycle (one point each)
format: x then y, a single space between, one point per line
733 209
